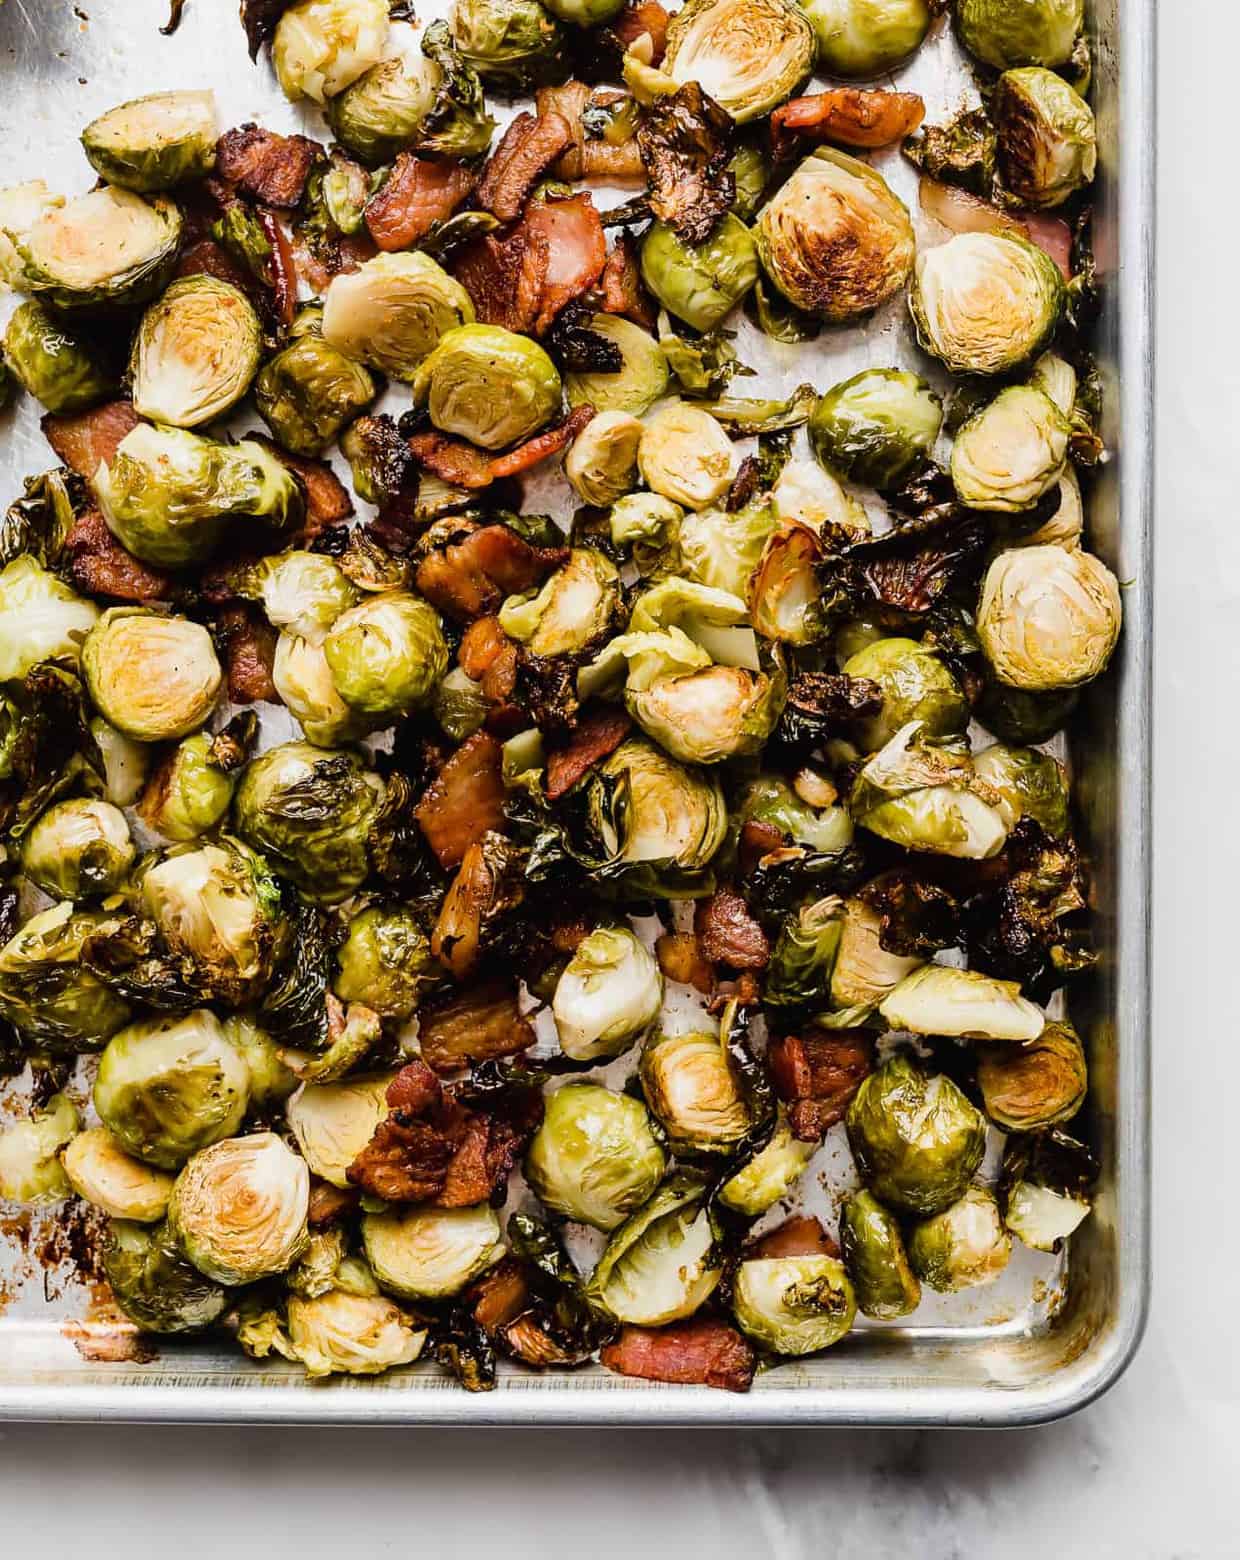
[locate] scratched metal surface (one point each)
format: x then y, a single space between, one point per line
1053 1332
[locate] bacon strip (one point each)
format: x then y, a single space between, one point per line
327 499
416 194
817 1074
205 257
590 157
249 645
476 1025
529 146
464 800
598 732
849 116
576 252
543 445
283 271
506 277
470 577
799 1236
728 934
272 168
467 467
84 441
328 1203
101 566
623 292
681 959
701 1352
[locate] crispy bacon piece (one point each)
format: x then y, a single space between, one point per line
506 277
328 1203
817 1074
249 645
744 991
757 840
464 800
799 1236
499 1296
84 440
598 732
529 146
576 252
680 958
476 1025
590 157
460 464
488 886
471 577
327 499
702 1352
543 445
847 116
101 566
318 263
272 168
416 194
623 292
643 16
728 934
482 644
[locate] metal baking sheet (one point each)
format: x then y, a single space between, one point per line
1054 1333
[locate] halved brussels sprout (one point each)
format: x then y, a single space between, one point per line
601 464
663 1262
686 456
238 1209
79 849
834 239
488 385
309 391
322 46
386 654
1048 618
21 206
1027 1087
333 1122
513 43
785 594
30 1167
154 142
167 1087
883 1281
304 681
709 715
102 1172
984 303
864 972
916 1139
394 310
304 592
1011 452
676 821
62 371
42 618
700 283
106 247
188 793
690 1086
805 494
1066 526
642 377
876 427
724 550
310 812
608 996
153 1283
768 799
153 677
804 955
1018 715
351 1334
384 109
861 39
749 55
793 1305
46 992
124 760
1029 783
574 606
963 1246
941 1000
431 1253
771 1174
1045 138
1046 1185
915 685
928 798
1034 32
385 962
595 1158
169 495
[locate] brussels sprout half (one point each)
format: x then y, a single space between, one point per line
154 142
382 112
308 690
928 798
642 378
153 677
685 455
1029 783
30 1167
513 43
874 1256
1046 1187
46 992
1011 452
749 55
62 371
1048 618
864 973
393 311
1035 1085
724 550
431 1253
608 995
1032 32
271 1081
238 1209
321 46
963 1246
21 206
153 1283
915 685
386 654
109 247
197 350
859 40
188 794
100 1171
700 283
676 821
694 1093
595 1157
663 1262
333 1122
769 1175
1045 138
876 427
351 1334
79 849
601 464
308 392
793 1305
940 1000
488 385
574 607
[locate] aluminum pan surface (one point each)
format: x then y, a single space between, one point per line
1048 1341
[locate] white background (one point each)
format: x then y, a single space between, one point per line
1151 1470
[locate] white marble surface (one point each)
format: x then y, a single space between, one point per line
1150 1472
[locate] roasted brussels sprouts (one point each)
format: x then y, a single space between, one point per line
351 1334
686 456
595 1158
804 954
385 962
834 239
322 46
608 996
310 813
1011 452
155 142
153 1283
30 1167
874 1256
676 821
153 677
308 392
642 377
109 247
238 1209
940 1000
1046 1185
706 716
927 798
692 1090
168 1087
271 1081
1030 784
1020 715
102 1172
984 303
42 618
962 1246
864 972
793 1305
861 39
304 681
768 799
1045 146
1027 1087
1035 32
771 1174
663 1261
382 112
724 550
916 686
459 704
62 371
46 992
876 427
916 1139
601 464
394 310
488 385
700 283
1048 618
196 352
333 1122
431 1253
79 849
125 762
574 606
512 43
170 495
21 206
304 592
386 654
750 55
188 793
